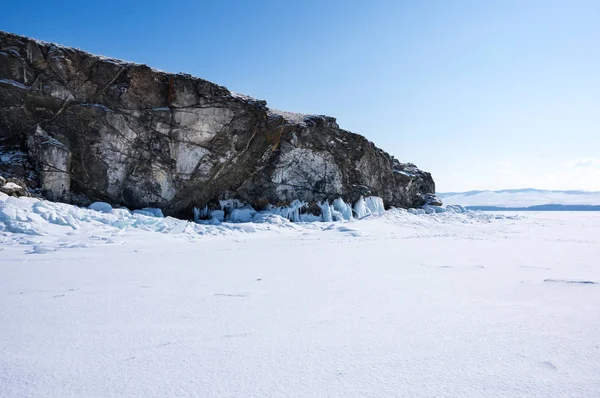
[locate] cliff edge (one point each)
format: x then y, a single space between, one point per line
79 128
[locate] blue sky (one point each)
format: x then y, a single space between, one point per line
484 94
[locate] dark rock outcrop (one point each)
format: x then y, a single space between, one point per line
96 128
13 187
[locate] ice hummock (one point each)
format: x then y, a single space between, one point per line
31 216
101 207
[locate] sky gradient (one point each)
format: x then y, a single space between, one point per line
483 94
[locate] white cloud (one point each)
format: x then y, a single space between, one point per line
584 163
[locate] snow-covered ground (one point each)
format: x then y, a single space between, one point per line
443 304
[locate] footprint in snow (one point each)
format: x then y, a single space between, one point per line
549 365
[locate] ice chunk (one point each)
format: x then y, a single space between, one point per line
121 212
146 211
101 207
154 212
20 203
360 209
142 212
375 205
433 209
269 218
325 211
337 216
428 209
291 212
455 209
41 249
343 208
242 215
218 215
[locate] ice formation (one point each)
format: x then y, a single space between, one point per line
291 212
325 211
375 205
360 209
242 215
343 208
101 207
234 211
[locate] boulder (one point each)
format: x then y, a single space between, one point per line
13 187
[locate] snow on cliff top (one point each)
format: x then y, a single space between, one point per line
294 117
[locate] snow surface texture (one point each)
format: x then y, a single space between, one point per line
520 198
442 304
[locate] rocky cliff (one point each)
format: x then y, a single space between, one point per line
94 128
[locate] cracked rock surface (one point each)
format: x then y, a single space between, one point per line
95 128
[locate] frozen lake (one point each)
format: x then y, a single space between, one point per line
455 305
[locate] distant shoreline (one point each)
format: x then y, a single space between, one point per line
549 207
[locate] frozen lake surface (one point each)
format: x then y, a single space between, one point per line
454 305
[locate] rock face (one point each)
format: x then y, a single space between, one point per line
95 128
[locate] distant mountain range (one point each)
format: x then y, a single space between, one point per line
524 199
